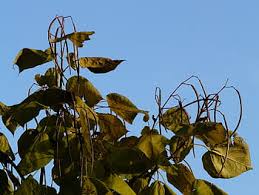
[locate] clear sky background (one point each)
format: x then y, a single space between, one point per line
163 43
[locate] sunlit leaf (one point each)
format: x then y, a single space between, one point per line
183 179
39 153
117 184
152 145
111 127
180 147
81 87
29 58
6 187
77 38
237 159
5 147
201 187
157 188
99 64
174 118
31 187
50 78
122 106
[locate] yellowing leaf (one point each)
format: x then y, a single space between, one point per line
183 179
50 78
117 184
152 145
5 147
237 160
111 127
81 87
201 187
77 38
123 107
174 119
99 64
29 58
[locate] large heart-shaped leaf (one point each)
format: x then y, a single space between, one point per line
117 184
237 159
81 87
182 178
122 106
152 145
29 58
174 118
99 64
111 127
201 187
39 153
76 38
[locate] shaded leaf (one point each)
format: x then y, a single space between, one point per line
168 190
99 64
211 133
81 87
38 155
31 187
76 37
128 161
50 78
88 188
174 118
129 142
157 188
29 58
201 187
71 60
6 187
180 147
139 185
237 159
152 145
183 179
123 107
117 184
101 187
111 127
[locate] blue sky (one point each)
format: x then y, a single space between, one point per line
163 43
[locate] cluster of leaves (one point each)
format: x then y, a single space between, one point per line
90 149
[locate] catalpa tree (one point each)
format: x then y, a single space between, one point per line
67 122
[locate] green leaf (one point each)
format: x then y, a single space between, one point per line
237 159
81 87
6 187
29 58
31 187
123 107
39 153
111 127
183 179
180 147
152 145
99 64
117 184
174 118
50 78
201 187
76 38
6 148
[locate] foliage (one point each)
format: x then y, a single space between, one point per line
84 133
